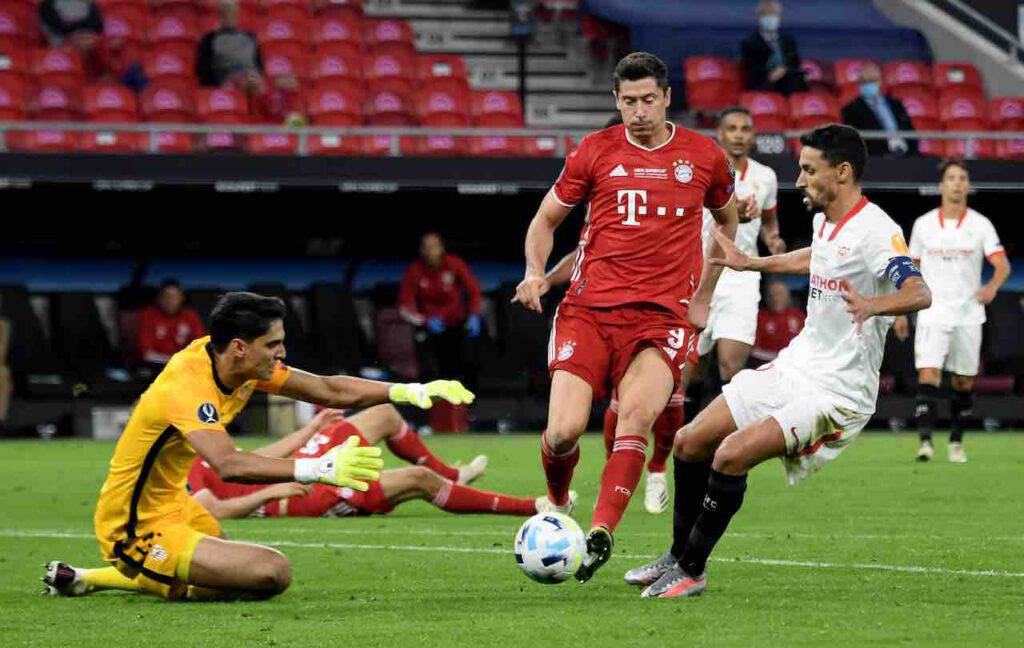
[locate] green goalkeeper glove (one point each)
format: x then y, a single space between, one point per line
423 396
348 464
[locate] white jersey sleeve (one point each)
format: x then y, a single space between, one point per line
916 246
989 238
882 244
771 196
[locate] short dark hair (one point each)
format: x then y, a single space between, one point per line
731 110
169 282
243 315
641 65
952 162
839 143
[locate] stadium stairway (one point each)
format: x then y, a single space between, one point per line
565 86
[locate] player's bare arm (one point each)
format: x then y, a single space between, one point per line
728 220
233 465
1000 273
285 446
797 262
562 272
912 296
242 506
770 233
540 238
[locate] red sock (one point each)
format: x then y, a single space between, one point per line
611 419
664 432
558 470
407 445
619 479
463 499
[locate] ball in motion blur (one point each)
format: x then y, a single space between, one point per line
549 547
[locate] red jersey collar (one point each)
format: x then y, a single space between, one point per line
861 204
671 137
959 222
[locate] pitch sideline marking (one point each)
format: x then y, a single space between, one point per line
904 569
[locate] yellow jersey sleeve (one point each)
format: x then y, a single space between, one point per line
193 407
276 382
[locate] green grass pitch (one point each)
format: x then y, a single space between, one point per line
875 549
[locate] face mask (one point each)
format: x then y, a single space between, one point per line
769 22
869 90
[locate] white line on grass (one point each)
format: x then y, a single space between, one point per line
903 569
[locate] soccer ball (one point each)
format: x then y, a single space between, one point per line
549 547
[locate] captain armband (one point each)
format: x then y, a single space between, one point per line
900 269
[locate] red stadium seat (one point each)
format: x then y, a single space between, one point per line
496 108
168 102
1006 113
352 8
190 9
281 30
338 28
1010 149
378 145
273 144
15 64
971 149
55 103
58 66
177 33
18 28
46 141
921 106
497 146
334 145
443 106
337 62
819 76
126 23
335 104
170 66
386 108
906 75
712 82
112 142
169 142
961 104
392 70
770 110
810 109
390 34
848 73
441 69
221 106
932 147
296 12
109 103
947 74
286 60
435 145
12 99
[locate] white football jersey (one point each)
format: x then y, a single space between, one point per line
829 351
757 180
951 254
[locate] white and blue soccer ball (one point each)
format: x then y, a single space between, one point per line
550 547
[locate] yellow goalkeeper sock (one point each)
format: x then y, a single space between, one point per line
108 578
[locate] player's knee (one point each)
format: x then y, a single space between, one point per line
636 418
687 447
728 367
563 433
962 383
731 457
273 574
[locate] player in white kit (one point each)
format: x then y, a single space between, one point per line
950 244
811 402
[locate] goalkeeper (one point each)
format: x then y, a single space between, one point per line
158 539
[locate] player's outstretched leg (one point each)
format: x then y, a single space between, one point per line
737 454
61 579
420 483
960 407
568 413
663 433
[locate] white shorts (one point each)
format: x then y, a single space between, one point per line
733 316
816 427
957 349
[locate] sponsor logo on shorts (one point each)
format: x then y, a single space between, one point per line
566 350
158 553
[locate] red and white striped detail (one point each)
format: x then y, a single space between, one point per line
676 400
550 452
630 444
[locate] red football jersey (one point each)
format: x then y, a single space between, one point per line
776 330
641 240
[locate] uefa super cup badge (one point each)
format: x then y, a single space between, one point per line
683 170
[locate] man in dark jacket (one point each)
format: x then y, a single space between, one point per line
770 59
874 111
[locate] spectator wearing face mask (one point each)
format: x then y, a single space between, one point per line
875 111
770 58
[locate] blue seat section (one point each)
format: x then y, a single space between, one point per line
237 274
490 274
676 29
66 275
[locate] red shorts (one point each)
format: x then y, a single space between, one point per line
597 344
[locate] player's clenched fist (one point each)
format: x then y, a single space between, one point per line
348 464
530 290
423 396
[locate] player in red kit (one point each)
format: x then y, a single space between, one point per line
640 289
431 479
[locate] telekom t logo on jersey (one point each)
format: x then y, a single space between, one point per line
633 203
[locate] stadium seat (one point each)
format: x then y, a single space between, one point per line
334 145
171 142
126 23
18 28
294 12
437 70
932 147
810 109
174 33
712 82
947 74
970 149
847 73
273 144
819 76
336 104
1006 113
435 145
379 145
353 8
281 30
46 141
163 66
1010 149
443 106
385 108
109 103
336 62
496 109
286 60
769 110
543 146
112 142
58 66
168 102
389 34
15 64
391 70
190 9
55 103
958 104
338 28
921 105
906 75
497 146
222 106
12 99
